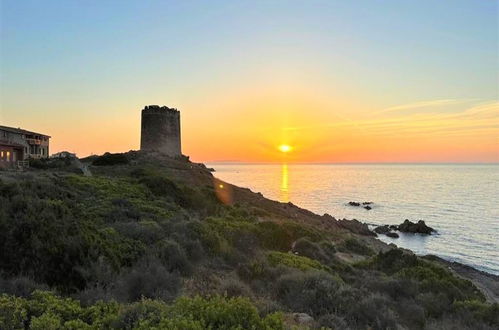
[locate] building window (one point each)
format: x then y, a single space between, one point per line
8 156
1 155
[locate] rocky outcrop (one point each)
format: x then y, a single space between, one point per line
382 229
365 205
407 226
410 227
386 230
303 318
355 226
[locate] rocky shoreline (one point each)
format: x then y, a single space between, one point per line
487 283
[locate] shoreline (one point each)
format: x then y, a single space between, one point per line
436 255
487 283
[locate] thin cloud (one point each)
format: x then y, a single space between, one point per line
479 119
423 104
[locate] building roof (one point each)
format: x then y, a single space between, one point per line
20 131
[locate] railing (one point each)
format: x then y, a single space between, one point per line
34 141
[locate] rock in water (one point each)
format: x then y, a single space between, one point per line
382 229
392 235
353 203
419 227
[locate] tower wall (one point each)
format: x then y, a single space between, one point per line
160 130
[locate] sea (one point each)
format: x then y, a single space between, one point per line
460 201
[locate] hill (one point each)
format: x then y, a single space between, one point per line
144 241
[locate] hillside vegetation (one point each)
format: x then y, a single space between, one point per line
149 242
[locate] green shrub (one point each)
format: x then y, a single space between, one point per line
294 261
355 246
314 292
173 257
273 236
109 159
147 279
305 247
487 313
225 313
13 312
433 278
46 321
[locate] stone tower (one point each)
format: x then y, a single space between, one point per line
160 130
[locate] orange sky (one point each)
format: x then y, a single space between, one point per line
339 81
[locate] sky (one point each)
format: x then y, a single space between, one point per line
337 81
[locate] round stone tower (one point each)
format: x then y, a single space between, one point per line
160 130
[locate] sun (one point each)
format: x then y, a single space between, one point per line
285 148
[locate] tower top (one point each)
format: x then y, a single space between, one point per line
158 109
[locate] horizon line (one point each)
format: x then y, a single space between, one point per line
346 163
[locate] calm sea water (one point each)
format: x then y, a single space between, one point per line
460 201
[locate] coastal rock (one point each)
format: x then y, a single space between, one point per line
419 227
366 205
356 227
303 318
386 230
382 229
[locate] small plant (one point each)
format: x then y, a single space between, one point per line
294 261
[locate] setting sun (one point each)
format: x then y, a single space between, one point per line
285 148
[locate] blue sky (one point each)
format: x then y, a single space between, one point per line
83 60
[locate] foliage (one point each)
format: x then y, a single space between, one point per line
125 243
294 261
355 246
109 159
44 310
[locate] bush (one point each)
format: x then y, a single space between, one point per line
305 247
487 313
314 292
224 313
173 257
433 278
45 310
394 260
355 246
372 311
13 312
147 279
109 159
20 286
294 261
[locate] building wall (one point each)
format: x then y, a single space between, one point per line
29 149
6 156
161 130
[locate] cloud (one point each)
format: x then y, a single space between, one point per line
424 104
480 119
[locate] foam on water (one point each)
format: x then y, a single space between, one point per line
459 201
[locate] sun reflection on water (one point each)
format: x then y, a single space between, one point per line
284 183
